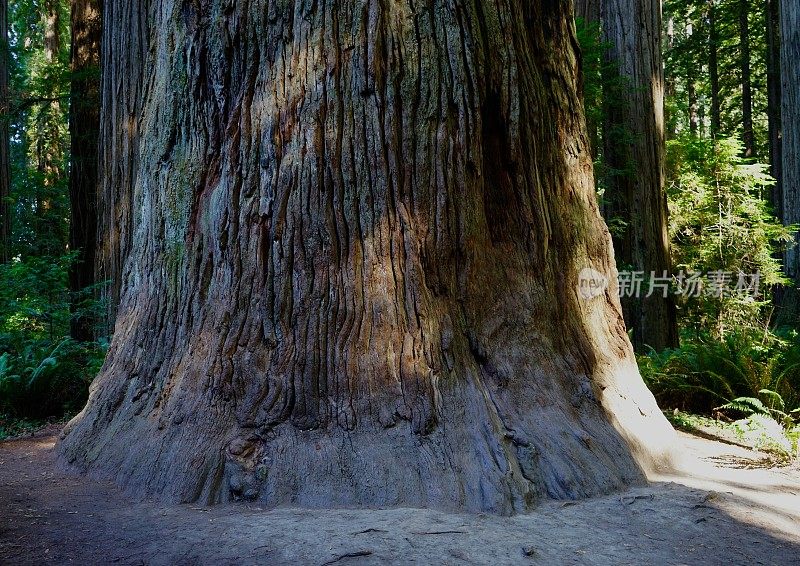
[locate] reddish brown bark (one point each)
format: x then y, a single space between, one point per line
354 241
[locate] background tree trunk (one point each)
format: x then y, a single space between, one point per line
48 140
713 69
589 10
125 67
694 116
357 237
84 126
774 102
5 154
790 122
638 196
748 136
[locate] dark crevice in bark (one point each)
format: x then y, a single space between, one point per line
375 280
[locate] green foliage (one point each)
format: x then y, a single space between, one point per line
12 427
720 222
686 60
743 375
42 374
39 87
758 431
39 382
709 373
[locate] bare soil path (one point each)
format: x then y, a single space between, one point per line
723 512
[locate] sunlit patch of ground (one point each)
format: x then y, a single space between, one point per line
718 512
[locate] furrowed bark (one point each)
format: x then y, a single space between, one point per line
589 10
354 232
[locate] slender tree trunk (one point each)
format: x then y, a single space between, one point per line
48 142
590 11
84 125
669 84
694 115
713 69
790 120
5 154
357 233
748 136
638 197
691 88
774 102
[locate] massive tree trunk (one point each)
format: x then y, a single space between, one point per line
774 102
632 28
357 232
5 153
84 126
790 122
748 136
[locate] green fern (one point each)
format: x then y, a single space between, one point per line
746 405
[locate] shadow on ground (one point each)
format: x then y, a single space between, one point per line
715 516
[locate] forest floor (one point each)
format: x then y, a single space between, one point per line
728 510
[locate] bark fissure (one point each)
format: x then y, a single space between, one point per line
361 194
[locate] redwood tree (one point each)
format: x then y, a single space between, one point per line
637 195
5 154
748 136
84 127
790 142
356 232
713 67
773 57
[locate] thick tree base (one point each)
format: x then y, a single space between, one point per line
353 239
485 455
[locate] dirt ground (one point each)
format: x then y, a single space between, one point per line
723 512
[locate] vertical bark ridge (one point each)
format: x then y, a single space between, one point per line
359 227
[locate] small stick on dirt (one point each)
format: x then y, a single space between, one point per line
358 554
